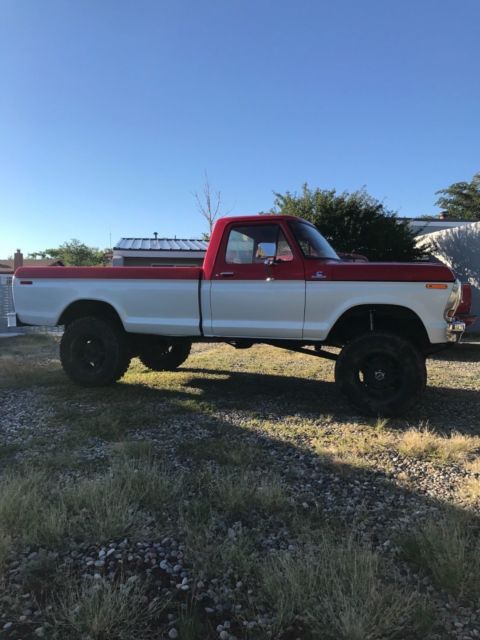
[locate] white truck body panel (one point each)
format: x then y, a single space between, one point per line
276 309
327 301
164 307
257 309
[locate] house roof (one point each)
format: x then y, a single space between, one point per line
422 226
160 244
7 264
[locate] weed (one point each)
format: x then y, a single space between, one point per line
338 588
106 611
220 449
218 551
448 549
31 510
136 449
112 505
239 494
40 575
5 549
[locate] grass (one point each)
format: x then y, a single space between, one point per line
5 549
31 510
29 361
352 446
105 611
222 450
136 449
448 549
424 443
469 491
34 510
243 494
255 465
338 591
215 551
114 504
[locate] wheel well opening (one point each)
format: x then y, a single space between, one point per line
84 308
389 318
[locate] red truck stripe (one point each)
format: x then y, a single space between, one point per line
111 273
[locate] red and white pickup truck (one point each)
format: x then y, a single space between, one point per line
269 279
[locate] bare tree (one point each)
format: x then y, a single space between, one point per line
208 204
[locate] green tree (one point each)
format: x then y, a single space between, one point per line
352 222
75 253
461 200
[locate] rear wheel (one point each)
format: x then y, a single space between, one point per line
94 352
161 355
381 374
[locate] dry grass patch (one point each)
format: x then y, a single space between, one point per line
423 443
473 466
469 491
339 590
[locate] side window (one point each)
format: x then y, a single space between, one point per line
254 244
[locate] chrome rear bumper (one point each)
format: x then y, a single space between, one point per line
455 330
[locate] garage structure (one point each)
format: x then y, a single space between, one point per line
161 252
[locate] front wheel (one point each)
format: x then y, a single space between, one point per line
94 352
381 374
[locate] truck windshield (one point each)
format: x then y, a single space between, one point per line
311 241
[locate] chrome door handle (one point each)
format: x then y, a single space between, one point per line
318 275
226 274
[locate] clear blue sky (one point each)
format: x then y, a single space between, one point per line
111 110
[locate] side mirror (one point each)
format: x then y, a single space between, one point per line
269 262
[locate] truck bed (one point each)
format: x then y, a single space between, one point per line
162 300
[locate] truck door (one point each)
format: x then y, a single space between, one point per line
258 284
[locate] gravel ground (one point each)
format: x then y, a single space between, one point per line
379 500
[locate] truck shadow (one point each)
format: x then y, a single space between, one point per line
198 422
463 352
442 409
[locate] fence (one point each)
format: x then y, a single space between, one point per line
7 306
6 301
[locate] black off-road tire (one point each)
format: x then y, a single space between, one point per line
161 355
94 352
381 374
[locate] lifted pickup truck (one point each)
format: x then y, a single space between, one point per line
265 279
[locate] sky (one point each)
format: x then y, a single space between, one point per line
111 111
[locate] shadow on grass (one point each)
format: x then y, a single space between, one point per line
444 409
463 352
322 491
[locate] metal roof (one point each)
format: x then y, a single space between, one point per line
160 244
